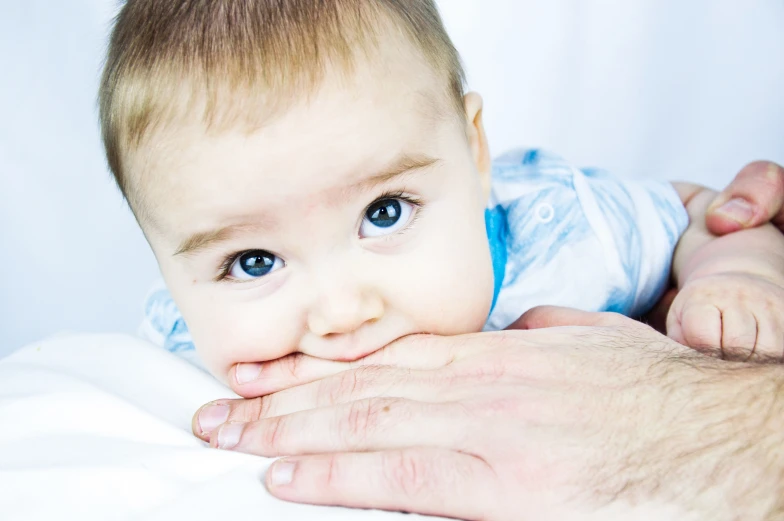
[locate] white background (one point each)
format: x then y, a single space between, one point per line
661 88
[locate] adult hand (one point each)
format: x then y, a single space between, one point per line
609 420
755 197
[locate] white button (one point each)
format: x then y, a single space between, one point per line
544 213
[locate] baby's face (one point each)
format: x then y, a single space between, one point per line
338 227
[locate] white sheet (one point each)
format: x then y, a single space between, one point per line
95 428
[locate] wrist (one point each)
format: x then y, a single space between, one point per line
769 267
758 251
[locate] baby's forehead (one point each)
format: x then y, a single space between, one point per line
173 60
327 142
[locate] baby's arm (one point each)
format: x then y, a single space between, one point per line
731 298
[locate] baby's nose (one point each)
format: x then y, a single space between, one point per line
344 311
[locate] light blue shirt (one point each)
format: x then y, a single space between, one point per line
558 235
578 238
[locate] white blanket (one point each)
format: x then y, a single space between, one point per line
98 428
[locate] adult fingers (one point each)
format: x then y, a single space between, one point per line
420 352
553 316
345 387
361 426
755 197
434 482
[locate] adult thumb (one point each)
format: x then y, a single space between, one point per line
755 197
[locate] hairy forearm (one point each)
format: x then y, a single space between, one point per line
710 450
737 420
758 251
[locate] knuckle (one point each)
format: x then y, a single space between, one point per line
272 435
406 473
775 174
489 371
768 177
362 419
701 337
293 365
264 407
348 385
334 390
250 410
334 474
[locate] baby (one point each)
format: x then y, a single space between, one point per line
312 178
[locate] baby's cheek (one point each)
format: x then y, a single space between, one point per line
454 287
245 335
468 310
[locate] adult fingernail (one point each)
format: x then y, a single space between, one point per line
738 210
282 473
246 373
774 171
211 416
229 435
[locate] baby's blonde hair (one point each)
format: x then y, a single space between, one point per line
216 59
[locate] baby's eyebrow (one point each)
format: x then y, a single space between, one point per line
203 240
404 164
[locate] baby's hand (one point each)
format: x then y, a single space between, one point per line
735 316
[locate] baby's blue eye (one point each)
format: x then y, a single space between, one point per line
385 217
254 264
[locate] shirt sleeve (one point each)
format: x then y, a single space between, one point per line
639 224
164 325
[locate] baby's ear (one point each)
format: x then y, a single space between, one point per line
477 139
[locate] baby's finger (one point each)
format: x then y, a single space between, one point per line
659 317
770 338
701 328
739 333
673 325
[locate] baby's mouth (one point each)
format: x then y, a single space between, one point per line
352 346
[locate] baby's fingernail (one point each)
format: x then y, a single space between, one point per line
738 210
246 373
211 416
282 473
229 435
